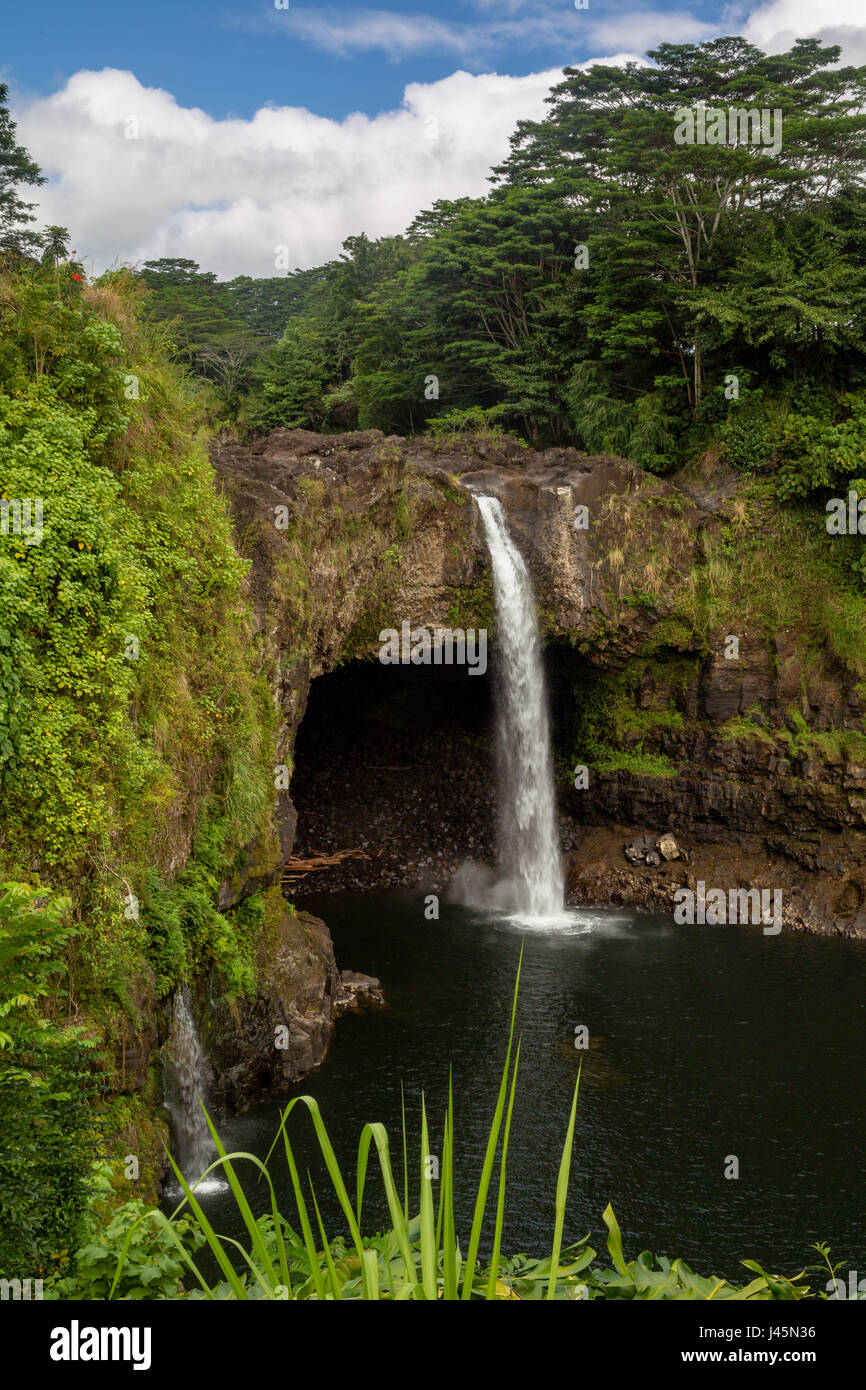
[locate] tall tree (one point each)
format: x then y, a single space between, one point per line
55 248
17 169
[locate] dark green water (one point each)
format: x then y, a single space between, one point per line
708 1042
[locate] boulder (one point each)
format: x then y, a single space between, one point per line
357 991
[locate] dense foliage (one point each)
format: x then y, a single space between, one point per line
154 1257
123 663
46 1079
219 328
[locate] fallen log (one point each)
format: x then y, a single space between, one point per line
296 867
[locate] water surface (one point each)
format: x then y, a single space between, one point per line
706 1042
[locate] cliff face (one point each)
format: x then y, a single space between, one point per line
674 675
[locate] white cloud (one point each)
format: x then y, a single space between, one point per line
529 24
776 25
643 29
398 35
227 192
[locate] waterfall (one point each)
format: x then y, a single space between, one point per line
187 1075
528 830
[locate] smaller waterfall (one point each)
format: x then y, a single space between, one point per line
529 833
187 1076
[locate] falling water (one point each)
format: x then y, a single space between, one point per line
187 1078
528 837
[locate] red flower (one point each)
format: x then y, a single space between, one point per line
75 277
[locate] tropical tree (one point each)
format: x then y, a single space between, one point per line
55 246
16 169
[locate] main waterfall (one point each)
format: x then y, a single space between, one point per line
528 834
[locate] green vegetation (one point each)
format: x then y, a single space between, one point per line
744 728
637 762
218 329
47 1078
474 606
134 733
112 624
153 1261
607 730
776 570
797 739
611 283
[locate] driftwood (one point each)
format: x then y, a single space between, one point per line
296 867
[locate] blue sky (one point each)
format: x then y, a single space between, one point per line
248 137
231 59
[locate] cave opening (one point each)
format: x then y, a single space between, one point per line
397 763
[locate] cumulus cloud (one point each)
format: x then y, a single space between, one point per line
134 175
644 29
776 25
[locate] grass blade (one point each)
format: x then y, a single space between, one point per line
379 1135
210 1235
493 1140
562 1192
336 1286
303 1216
500 1202
405 1154
429 1251
450 1257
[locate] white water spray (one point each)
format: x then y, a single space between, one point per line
528 833
187 1076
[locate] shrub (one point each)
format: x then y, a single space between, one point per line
46 1081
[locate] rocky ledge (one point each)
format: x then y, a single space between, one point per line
832 902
